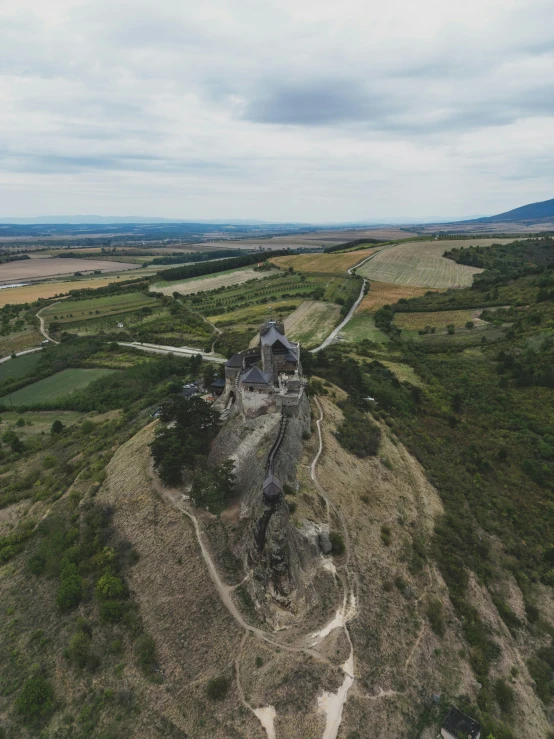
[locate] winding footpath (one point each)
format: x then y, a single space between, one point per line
331 704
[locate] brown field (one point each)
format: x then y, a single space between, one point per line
30 293
30 269
384 293
332 263
422 263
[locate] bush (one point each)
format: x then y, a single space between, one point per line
112 611
386 535
358 434
70 589
57 427
435 616
504 695
337 542
145 652
217 688
36 699
78 650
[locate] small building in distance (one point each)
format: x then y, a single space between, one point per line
267 377
458 725
272 489
218 386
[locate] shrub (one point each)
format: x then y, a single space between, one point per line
386 535
435 616
145 652
112 611
57 427
49 461
70 589
78 650
217 688
36 699
358 434
337 542
504 695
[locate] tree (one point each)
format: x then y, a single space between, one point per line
186 442
57 427
213 487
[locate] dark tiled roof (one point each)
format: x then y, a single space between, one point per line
272 486
272 335
235 361
291 357
459 723
218 383
255 376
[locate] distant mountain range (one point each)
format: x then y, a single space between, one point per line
533 211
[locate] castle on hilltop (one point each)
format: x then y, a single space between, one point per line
267 377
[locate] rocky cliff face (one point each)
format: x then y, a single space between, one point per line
271 548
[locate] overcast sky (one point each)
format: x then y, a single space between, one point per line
285 110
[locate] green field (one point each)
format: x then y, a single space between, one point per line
18 367
363 327
53 387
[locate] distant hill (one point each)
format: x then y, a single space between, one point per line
533 211
107 220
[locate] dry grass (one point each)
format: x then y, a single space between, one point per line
312 321
331 263
37 268
420 263
384 293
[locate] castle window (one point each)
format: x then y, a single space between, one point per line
251 389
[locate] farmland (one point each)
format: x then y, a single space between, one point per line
209 282
312 321
330 263
420 263
362 327
53 387
383 293
18 367
30 269
437 319
75 310
30 293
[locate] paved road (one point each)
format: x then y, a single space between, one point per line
20 354
179 352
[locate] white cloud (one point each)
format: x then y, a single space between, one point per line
277 110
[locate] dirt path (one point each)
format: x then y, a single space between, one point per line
331 703
42 327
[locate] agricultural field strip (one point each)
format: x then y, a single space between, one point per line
62 383
312 321
322 263
30 293
30 269
421 263
208 282
438 319
73 310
